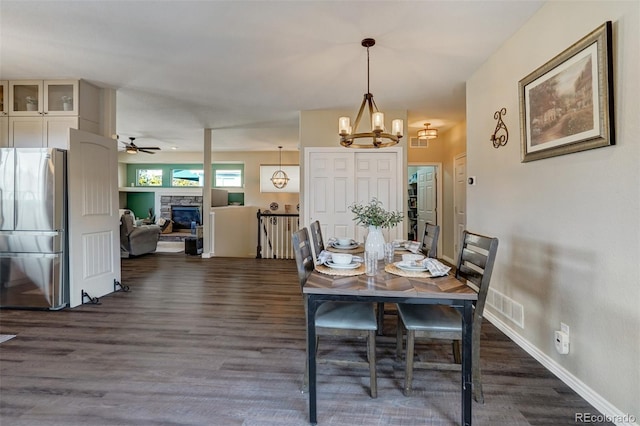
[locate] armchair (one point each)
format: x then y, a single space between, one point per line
137 240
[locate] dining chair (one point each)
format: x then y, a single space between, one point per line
429 246
316 237
347 319
475 265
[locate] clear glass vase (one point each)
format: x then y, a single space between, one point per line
375 241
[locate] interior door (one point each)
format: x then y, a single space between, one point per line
427 198
459 200
330 192
376 176
94 248
336 178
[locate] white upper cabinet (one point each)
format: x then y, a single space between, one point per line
40 112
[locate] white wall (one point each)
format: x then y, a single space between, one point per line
569 226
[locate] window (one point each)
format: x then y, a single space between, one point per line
228 178
185 177
148 177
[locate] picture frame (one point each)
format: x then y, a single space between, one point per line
566 105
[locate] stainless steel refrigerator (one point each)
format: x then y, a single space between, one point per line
33 224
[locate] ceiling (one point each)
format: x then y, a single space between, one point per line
247 68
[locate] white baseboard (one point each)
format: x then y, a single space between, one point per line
592 397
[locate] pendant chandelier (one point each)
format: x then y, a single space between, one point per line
279 178
427 133
377 137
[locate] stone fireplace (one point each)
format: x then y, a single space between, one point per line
185 205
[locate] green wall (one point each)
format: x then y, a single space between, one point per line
140 202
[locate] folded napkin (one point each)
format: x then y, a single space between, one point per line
325 256
399 243
412 246
435 267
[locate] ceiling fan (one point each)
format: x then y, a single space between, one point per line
132 148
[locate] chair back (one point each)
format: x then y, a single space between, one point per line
304 258
316 237
475 263
429 245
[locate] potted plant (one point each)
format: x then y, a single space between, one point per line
67 103
32 103
375 217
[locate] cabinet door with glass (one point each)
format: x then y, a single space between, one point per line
4 109
25 98
29 98
61 97
4 98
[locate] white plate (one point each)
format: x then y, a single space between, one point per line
352 265
350 246
409 267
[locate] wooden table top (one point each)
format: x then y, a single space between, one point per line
385 284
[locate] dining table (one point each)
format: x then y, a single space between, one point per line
323 285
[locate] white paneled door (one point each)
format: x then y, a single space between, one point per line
426 200
94 237
336 178
459 200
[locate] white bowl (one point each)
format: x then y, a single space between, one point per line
343 241
341 258
412 257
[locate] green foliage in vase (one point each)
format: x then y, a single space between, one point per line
373 214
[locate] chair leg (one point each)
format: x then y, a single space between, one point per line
457 354
399 340
371 355
408 372
380 312
476 376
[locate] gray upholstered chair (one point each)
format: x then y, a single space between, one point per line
475 264
350 319
429 246
137 240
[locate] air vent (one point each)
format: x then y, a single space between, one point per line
418 143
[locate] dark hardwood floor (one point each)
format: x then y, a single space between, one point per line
221 342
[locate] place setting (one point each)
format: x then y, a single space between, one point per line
416 265
344 264
344 245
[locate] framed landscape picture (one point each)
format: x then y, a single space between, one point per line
566 105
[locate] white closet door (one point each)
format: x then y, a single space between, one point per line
376 175
336 178
330 192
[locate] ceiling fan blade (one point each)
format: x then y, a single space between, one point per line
145 151
148 147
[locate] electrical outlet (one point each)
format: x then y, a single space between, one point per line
565 329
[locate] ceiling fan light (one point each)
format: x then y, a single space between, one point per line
131 150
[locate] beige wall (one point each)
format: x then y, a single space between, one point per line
443 150
568 226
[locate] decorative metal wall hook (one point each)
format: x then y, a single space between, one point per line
500 140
